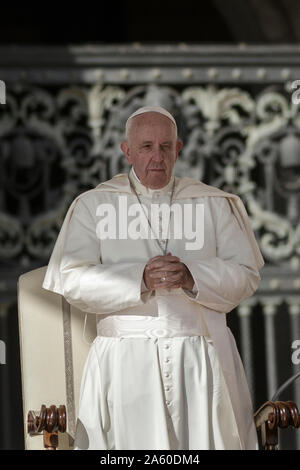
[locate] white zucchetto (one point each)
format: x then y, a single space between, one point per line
151 109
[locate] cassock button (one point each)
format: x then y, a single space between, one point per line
167 388
167 359
167 374
166 346
168 402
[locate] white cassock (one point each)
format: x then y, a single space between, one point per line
164 371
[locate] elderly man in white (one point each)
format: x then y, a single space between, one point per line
164 371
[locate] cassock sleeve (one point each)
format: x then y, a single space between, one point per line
192 292
224 281
87 283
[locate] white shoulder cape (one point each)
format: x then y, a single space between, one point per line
184 188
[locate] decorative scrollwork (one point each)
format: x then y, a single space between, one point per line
56 144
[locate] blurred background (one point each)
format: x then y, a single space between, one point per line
225 69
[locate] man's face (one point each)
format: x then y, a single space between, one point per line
152 148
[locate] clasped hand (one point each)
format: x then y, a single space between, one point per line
170 267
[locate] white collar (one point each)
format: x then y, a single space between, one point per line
145 190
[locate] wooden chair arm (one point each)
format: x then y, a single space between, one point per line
50 421
273 415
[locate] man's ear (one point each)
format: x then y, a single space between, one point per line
125 149
179 145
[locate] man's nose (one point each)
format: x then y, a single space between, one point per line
157 154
